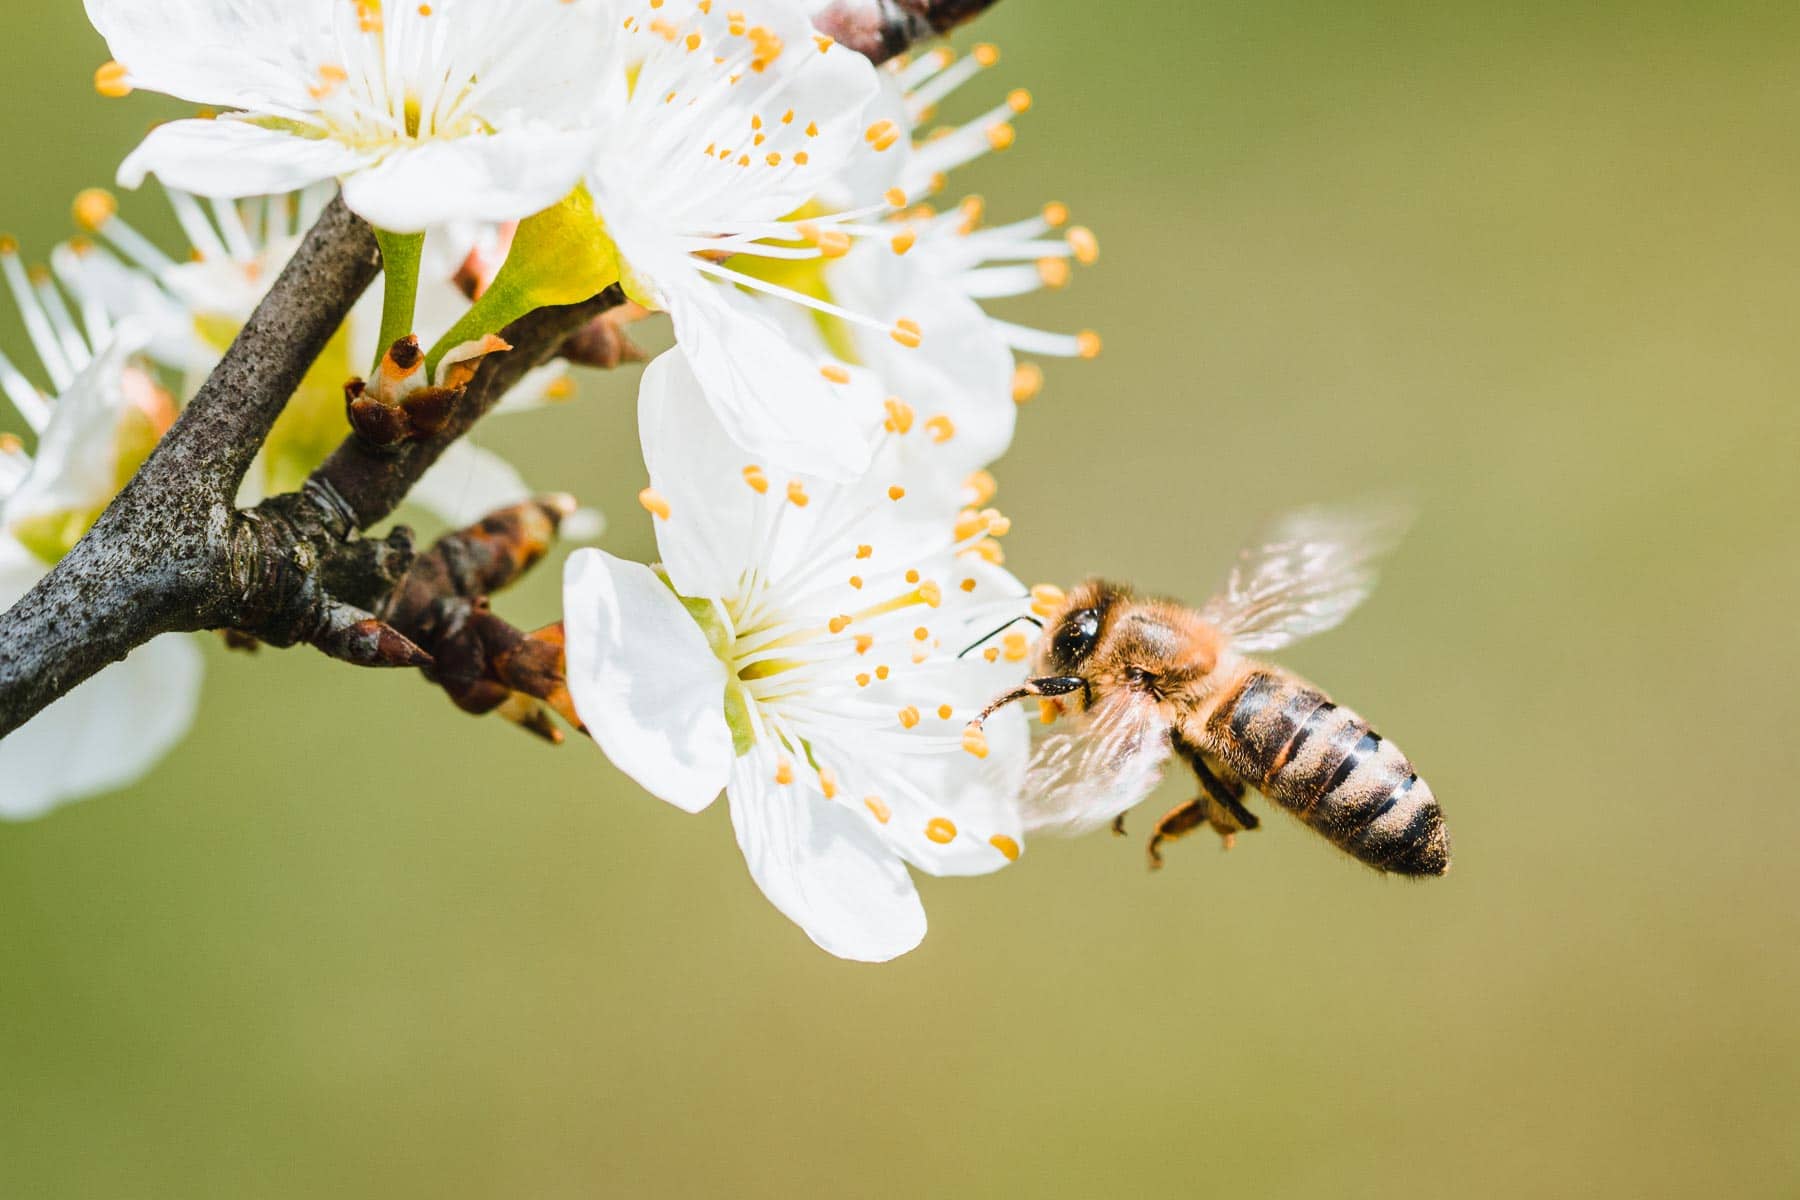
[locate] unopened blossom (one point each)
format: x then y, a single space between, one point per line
93 426
195 302
800 647
425 112
725 125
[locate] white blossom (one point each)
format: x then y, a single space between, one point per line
104 414
798 648
425 112
724 126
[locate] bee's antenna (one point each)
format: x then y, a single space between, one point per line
1002 629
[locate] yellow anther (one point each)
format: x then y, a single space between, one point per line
773 158
94 207
998 523
758 481
784 771
944 711
921 634
823 42
812 129
864 551
1048 711
755 121
972 209
835 373
1056 214
931 594
1054 272
796 493
969 524
654 503
907 333
1087 344
856 581
989 551
895 197
877 809
903 241
986 53
992 654
912 576
1002 136
828 782
1014 646
664 29
692 42
109 80
801 158
941 428
1085 245
899 416
787 118
909 716
881 671
559 389
941 830
975 742
1019 100
10 443
865 642
863 680
967 585
838 624
1006 846
8 244
1046 598
982 486
834 243
1028 381
743 160
878 130
331 77
368 16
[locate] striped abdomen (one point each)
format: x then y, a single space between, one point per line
1325 765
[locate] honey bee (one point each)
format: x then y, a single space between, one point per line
1144 679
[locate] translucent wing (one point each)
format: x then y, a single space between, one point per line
1306 574
1105 761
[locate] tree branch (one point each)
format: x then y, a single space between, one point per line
156 559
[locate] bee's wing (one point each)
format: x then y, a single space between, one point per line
1305 575
1109 758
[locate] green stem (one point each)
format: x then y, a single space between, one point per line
400 254
559 256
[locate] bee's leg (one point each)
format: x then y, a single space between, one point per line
1119 825
1178 821
1227 815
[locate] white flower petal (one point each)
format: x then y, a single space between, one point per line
768 393
215 52
76 463
644 680
504 176
962 369
822 865
227 157
106 733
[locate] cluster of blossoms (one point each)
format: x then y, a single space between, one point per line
816 440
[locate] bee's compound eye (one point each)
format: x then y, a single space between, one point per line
1075 638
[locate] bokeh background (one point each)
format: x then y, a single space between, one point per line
1537 263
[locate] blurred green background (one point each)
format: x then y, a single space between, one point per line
1541 266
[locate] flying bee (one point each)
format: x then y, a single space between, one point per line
1144 679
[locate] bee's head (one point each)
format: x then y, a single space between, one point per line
1077 627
